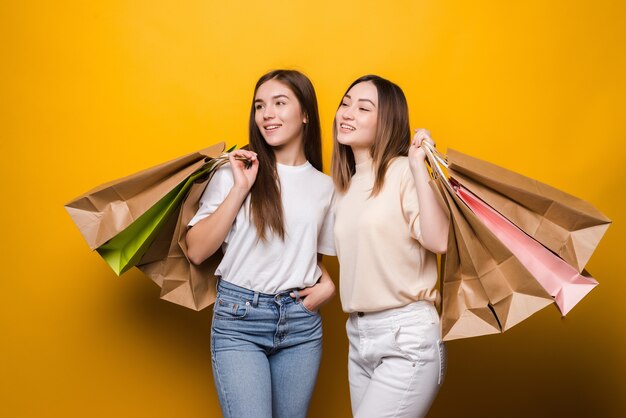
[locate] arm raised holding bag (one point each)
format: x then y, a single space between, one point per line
434 223
208 234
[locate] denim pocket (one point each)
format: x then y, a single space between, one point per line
406 341
304 308
230 309
434 315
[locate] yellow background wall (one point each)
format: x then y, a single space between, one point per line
92 91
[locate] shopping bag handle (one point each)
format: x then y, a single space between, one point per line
438 156
435 160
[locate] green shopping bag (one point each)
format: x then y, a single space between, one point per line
126 249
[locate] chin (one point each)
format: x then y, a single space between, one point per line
274 142
345 141
277 142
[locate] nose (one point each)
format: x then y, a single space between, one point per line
347 113
268 112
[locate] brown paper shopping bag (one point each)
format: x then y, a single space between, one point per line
105 211
166 263
485 288
567 225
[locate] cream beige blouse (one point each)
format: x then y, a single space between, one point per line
382 263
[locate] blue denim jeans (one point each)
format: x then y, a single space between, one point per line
266 351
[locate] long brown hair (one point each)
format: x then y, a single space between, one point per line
393 135
265 200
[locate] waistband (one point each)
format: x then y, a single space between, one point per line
227 288
394 312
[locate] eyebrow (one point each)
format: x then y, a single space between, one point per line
361 100
278 96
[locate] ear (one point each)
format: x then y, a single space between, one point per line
305 119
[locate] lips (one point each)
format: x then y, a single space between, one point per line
344 127
271 127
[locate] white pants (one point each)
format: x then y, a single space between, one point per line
396 361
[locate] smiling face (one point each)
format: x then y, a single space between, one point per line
356 120
278 114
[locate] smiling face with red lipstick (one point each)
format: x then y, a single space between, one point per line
278 115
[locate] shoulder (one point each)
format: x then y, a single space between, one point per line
399 168
399 163
320 179
399 175
223 176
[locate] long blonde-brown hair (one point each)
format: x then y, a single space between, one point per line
265 198
393 135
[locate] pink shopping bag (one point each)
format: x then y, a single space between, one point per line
562 281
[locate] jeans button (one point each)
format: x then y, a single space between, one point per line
360 314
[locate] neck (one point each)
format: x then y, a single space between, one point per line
361 154
290 154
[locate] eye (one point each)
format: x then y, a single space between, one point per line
279 103
344 104
258 106
364 109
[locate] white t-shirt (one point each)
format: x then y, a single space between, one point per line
276 265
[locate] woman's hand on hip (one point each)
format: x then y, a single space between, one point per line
319 294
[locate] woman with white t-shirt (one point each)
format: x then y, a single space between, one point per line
388 226
272 216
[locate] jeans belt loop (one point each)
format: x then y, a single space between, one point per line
255 300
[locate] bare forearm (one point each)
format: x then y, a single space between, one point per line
325 275
204 238
326 285
434 223
320 293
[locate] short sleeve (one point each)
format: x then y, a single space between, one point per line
216 191
410 204
326 239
